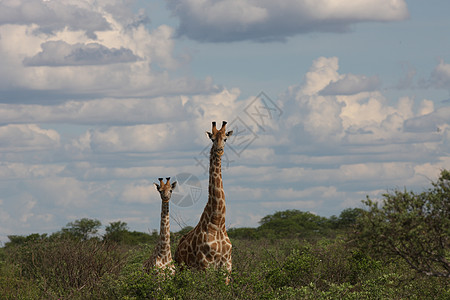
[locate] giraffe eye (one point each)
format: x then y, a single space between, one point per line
225 140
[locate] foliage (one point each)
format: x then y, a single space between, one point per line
414 227
82 229
292 223
298 224
117 232
14 286
262 269
20 240
275 262
115 229
348 217
243 233
66 265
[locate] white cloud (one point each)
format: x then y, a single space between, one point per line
124 58
323 71
140 192
60 53
326 152
426 107
16 170
51 16
63 192
27 137
440 77
138 138
232 20
94 110
102 111
363 116
433 122
351 84
367 172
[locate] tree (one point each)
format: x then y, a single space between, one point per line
82 229
116 231
415 227
15 240
348 217
242 233
291 223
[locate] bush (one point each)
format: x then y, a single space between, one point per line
82 229
66 266
275 267
14 286
242 233
413 227
293 223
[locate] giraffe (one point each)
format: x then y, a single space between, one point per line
162 256
208 244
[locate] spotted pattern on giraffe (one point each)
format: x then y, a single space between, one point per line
208 244
161 257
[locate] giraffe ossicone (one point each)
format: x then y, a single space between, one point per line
208 244
162 256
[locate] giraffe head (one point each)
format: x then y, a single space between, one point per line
218 137
165 189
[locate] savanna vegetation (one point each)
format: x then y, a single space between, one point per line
396 248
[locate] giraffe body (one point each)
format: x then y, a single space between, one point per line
162 256
208 243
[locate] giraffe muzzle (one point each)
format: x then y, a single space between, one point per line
219 151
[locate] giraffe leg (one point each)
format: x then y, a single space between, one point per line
229 268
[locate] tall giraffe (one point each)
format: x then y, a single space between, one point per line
162 256
208 243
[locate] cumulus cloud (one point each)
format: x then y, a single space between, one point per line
124 58
440 77
433 122
233 20
51 16
348 108
141 192
16 170
124 111
66 192
339 139
152 138
128 117
139 138
351 84
60 53
27 137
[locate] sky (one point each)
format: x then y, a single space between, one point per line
330 101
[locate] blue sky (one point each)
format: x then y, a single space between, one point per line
100 98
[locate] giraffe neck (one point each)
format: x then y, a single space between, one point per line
215 210
164 229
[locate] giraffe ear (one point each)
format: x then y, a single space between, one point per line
229 133
174 185
209 135
156 186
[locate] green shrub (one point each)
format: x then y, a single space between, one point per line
66 266
276 266
412 227
14 286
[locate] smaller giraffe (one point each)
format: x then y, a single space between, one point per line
162 256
